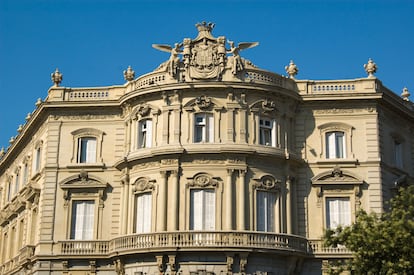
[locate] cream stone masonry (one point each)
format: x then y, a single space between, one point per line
207 165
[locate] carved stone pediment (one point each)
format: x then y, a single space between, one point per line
144 184
264 106
336 176
203 180
83 181
266 182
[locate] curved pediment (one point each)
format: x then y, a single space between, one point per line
202 103
82 180
336 176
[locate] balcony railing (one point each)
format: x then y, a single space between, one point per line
319 249
186 240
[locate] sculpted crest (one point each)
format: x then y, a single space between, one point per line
204 57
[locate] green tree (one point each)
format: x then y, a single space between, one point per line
381 244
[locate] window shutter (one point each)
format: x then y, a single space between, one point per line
210 124
196 209
82 220
143 213
209 210
261 211
338 212
91 150
330 145
274 133
340 145
148 141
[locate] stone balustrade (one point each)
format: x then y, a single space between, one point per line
186 240
320 250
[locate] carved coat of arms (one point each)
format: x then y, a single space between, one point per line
204 57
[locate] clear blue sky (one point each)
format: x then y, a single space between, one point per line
93 41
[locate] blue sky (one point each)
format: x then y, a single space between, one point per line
93 41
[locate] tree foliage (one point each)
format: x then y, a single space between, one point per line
381 244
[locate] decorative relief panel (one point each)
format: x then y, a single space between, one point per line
267 183
144 184
203 180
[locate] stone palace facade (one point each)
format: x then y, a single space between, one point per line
207 165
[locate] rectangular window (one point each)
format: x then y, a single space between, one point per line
338 212
17 182
145 133
25 173
398 154
267 134
204 128
82 221
143 213
87 150
38 159
266 202
335 145
202 209
9 191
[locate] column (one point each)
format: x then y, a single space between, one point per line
177 125
289 206
173 202
165 126
243 130
230 125
125 200
228 194
241 201
162 202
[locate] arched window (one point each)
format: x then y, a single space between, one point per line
87 146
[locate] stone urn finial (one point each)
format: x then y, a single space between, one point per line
56 77
405 94
2 152
38 102
370 67
129 74
292 69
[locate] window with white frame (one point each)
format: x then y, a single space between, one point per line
143 212
204 127
267 133
87 150
338 212
335 145
398 154
265 207
202 209
145 133
82 220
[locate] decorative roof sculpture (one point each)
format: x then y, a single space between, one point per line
204 57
